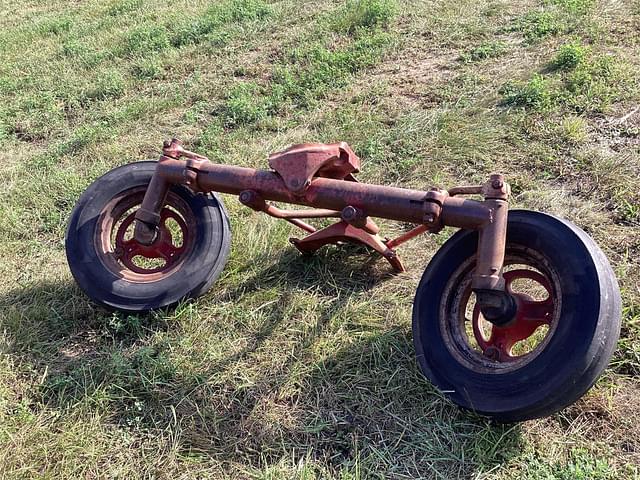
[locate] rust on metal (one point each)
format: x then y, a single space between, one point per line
253 200
125 256
321 176
163 248
466 190
531 315
492 236
356 217
414 232
297 165
345 232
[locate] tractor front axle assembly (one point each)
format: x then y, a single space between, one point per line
515 317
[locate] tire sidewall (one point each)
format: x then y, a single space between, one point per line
197 271
558 370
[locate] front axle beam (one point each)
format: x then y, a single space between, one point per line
321 177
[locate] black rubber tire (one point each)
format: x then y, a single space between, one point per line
575 355
201 267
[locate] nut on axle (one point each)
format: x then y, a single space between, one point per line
356 217
432 208
496 188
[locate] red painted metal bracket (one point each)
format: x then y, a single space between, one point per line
345 232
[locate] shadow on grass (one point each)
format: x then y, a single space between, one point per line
359 405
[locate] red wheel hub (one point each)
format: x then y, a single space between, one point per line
530 315
162 247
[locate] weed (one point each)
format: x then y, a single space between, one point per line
110 84
74 48
570 55
629 211
534 94
241 10
194 31
367 14
579 7
82 137
120 7
593 85
55 26
573 130
38 115
119 324
539 24
148 68
212 140
581 465
310 75
245 104
584 83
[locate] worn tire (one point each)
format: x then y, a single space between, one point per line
200 264
585 330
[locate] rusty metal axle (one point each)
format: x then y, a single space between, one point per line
322 177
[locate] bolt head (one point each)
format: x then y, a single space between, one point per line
349 213
497 184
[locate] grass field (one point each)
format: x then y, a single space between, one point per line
294 368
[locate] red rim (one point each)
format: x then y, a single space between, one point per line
163 246
485 348
133 261
530 315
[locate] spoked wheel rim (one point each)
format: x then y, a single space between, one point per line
486 348
133 261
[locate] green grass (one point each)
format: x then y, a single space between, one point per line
539 24
359 14
570 55
487 49
580 81
309 73
534 94
295 368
